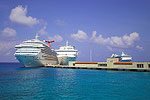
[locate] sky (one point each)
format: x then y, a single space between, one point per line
102 26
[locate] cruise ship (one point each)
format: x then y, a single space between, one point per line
35 53
66 53
123 57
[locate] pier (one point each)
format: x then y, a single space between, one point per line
110 64
99 68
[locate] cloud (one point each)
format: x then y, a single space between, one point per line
19 15
56 38
129 40
8 32
93 35
139 47
80 36
42 31
8 40
6 45
113 43
116 41
59 22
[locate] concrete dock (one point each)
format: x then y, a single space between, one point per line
99 68
110 64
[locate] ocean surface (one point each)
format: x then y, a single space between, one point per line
18 83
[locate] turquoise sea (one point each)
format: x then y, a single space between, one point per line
17 83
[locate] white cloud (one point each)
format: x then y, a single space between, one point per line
116 41
93 34
56 38
19 15
80 36
113 43
129 40
8 32
139 47
43 31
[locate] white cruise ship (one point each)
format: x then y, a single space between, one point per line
66 53
123 57
35 53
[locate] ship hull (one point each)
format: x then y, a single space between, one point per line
32 61
65 60
35 53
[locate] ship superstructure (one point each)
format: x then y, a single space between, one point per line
66 53
35 53
123 57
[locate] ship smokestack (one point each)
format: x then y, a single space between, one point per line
49 42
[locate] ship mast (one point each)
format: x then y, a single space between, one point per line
36 36
67 43
90 55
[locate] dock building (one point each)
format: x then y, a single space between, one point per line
121 62
113 64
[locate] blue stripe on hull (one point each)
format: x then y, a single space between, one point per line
29 61
70 59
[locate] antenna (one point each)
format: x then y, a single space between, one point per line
123 53
90 55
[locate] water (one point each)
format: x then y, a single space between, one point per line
17 83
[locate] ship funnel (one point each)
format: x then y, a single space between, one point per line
49 42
